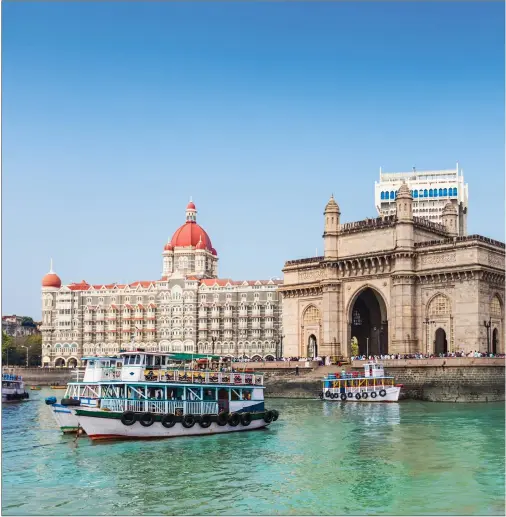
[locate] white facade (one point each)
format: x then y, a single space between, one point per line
431 191
187 310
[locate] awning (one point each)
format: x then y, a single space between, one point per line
190 357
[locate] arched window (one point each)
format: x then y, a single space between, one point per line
382 196
455 191
356 318
445 192
440 192
495 307
415 194
392 194
435 192
425 193
439 306
431 193
311 316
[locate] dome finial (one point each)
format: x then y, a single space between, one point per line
51 265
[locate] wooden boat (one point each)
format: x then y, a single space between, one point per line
35 388
58 387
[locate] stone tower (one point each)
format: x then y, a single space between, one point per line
450 218
330 234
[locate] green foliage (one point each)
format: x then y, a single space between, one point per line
14 353
27 322
354 346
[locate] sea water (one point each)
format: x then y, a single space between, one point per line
319 458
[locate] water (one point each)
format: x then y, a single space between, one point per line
319 458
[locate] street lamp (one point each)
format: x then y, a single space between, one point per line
427 322
487 326
213 340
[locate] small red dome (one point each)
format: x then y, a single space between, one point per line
191 206
189 235
168 247
51 280
214 252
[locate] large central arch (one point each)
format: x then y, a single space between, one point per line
368 322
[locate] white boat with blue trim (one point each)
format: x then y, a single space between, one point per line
13 388
371 386
147 397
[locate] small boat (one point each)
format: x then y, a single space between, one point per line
35 388
371 386
58 387
13 388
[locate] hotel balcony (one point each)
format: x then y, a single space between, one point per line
227 313
202 325
202 313
243 313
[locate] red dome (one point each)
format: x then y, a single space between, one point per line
51 280
214 252
190 206
189 235
201 245
168 247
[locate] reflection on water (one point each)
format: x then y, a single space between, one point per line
320 458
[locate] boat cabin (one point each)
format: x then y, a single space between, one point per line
373 370
11 381
102 369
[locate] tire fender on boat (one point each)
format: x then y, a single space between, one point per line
268 416
350 395
374 395
383 393
328 394
364 395
246 419
205 421
168 420
146 419
188 421
275 414
357 396
343 397
222 418
128 418
234 419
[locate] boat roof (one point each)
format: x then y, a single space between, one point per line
98 357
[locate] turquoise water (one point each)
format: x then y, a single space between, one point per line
319 458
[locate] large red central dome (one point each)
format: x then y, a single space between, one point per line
189 235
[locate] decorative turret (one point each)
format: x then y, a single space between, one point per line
168 259
450 219
330 234
191 212
51 280
404 213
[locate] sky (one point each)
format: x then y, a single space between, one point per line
114 114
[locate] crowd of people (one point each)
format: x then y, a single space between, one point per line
425 356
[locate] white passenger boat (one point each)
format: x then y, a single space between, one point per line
87 393
153 400
371 386
13 388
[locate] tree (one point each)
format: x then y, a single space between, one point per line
10 353
26 321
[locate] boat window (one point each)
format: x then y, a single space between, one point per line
149 360
91 364
209 394
138 359
234 395
246 394
118 364
163 360
157 360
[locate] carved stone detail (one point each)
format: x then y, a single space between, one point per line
442 258
311 274
495 260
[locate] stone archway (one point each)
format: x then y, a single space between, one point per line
311 326
368 322
72 363
312 347
440 342
495 341
60 362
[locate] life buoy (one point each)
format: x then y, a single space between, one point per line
327 394
146 419
321 396
205 421
383 393
374 395
222 418
234 419
268 416
188 421
128 418
364 395
168 421
246 419
350 395
357 396
335 395
275 414
343 396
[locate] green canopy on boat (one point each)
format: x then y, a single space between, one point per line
191 357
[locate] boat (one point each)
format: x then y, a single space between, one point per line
150 398
13 388
371 386
58 387
87 393
35 388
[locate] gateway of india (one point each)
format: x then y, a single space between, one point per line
397 284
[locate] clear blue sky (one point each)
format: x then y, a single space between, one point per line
115 113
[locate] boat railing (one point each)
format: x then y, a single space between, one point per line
11 377
200 377
161 406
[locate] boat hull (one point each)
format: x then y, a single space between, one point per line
392 395
99 428
65 417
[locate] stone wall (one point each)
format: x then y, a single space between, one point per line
44 376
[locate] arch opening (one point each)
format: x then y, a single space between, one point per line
368 323
495 341
440 343
60 362
72 363
312 347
